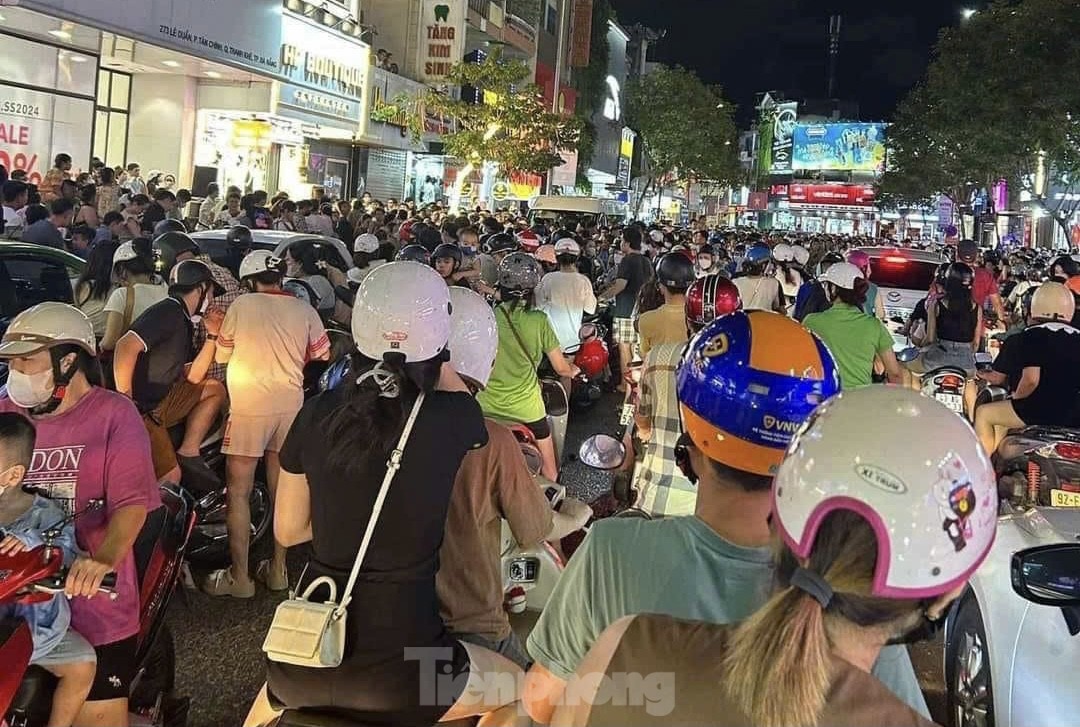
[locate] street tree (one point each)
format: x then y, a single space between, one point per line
685 126
510 124
1001 99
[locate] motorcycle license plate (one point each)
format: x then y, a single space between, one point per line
627 416
1063 498
953 401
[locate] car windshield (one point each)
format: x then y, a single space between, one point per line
900 272
562 220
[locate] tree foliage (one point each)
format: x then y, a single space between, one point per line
686 126
1002 91
513 127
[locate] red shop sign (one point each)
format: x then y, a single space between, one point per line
844 194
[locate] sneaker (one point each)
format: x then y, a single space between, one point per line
275 580
222 583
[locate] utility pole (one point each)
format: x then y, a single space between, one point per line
834 52
564 23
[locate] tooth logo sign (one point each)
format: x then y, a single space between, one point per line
442 12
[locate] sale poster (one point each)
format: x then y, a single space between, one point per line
35 126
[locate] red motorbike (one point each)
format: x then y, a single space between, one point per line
38 574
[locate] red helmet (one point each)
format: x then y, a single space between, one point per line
529 241
709 298
592 357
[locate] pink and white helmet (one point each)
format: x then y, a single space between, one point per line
931 500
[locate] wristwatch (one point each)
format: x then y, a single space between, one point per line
211 336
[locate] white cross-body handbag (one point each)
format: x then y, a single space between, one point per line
309 633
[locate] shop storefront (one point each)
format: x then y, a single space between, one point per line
834 209
47 94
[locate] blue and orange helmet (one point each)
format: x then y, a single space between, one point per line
747 383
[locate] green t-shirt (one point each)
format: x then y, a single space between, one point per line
677 567
513 391
853 338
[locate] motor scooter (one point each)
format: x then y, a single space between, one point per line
1039 466
26 691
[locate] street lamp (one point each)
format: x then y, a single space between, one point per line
968 13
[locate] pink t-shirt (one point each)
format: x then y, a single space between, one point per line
98 449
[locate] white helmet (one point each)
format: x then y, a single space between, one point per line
47 325
402 307
261 261
842 275
783 253
125 252
474 336
567 246
802 255
366 242
933 506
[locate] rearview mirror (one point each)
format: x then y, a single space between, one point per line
602 452
1048 575
908 354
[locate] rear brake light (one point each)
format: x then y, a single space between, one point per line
952 381
1068 451
895 259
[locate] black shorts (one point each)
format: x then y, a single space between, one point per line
541 429
116 669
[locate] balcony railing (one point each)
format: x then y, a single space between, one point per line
483 7
521 27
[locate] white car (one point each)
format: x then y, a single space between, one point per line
1009 661
213 243
903 276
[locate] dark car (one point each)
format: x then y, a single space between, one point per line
32 274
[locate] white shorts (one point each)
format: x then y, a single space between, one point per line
252 436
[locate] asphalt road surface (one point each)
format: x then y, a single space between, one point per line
218 640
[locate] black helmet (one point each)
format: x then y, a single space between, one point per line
520 273
414 253
959 275
190 273
992 256
169 225
448 250
501 242
674 270
941 276
240 236
429 237
170 245
706 249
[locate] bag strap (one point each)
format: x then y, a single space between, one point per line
393 464
129 307
521 343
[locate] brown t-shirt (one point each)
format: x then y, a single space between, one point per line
493 483
666 324
680 664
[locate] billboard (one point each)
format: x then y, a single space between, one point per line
783 129
857 195
839 147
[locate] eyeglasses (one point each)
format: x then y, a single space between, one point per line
682 457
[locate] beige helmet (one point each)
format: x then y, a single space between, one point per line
47 325
1053 302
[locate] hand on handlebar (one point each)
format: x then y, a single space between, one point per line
85 577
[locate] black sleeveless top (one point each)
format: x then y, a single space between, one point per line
955 324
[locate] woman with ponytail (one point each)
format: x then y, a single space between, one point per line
871 549
333 462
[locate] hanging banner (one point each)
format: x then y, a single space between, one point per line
442 38
247 33
783 130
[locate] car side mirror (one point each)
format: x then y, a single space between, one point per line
602 452
1048 575
907 355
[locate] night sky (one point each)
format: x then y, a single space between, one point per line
749 46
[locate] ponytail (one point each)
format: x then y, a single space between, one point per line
778 666
366 427
777 669
857 295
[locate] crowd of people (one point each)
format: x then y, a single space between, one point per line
773 600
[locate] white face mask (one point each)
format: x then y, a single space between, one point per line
30 390
705 263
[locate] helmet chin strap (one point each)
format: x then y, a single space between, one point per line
60 385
